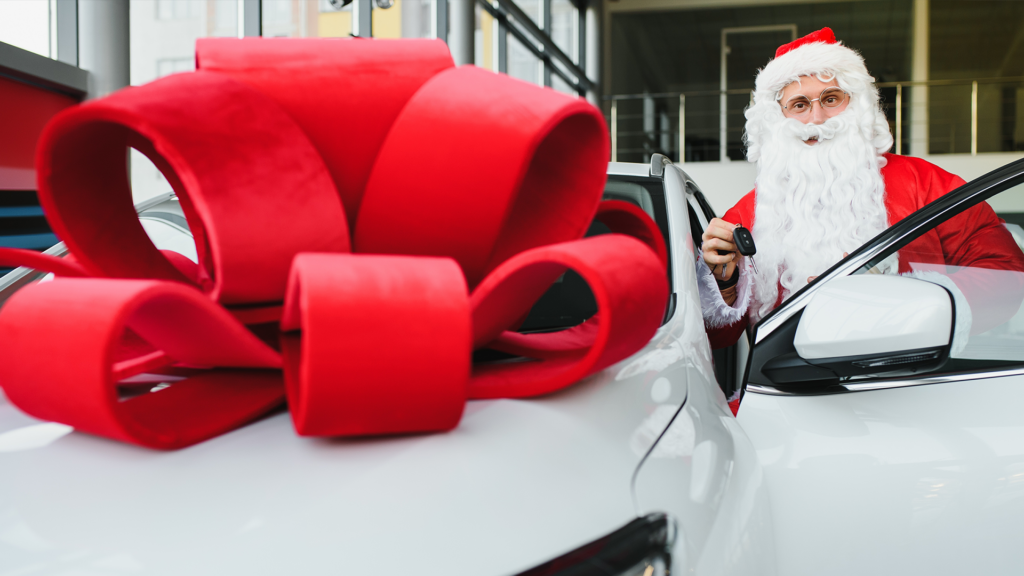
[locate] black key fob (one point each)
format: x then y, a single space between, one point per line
744 241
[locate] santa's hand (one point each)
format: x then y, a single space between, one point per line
718 247
813 278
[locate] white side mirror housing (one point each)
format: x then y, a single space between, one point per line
873 324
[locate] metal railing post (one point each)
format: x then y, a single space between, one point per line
899 119
362 18
974 118
707 110
439 19
723 122
500 46
615 130
682 128
251 18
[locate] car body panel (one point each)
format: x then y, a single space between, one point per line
703 470
517 482
913 480
911 473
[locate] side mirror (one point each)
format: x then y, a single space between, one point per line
869 325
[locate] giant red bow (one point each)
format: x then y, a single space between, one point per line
389 212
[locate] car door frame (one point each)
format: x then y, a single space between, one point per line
772 336
731 361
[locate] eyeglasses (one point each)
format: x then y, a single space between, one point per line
829 99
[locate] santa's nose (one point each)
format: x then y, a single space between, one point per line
817 115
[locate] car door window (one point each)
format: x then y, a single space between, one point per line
969 241
981 251
569 301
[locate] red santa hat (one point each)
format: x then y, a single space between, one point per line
816 53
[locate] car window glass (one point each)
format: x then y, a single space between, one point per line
166 236
632 192
981 251
569 301
696 231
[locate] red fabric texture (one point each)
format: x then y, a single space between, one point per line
43 262
84 320
630 219
240 165
615 267
824 35
463 194
975 238
331 88
355 312
542 191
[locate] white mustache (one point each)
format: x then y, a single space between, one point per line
819 132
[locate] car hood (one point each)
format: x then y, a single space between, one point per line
516 483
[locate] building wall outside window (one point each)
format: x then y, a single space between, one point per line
27 24
162 38
665 50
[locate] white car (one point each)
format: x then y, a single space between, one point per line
638 470
886 447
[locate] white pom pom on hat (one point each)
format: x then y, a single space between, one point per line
815 53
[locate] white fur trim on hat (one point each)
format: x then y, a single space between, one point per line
806 60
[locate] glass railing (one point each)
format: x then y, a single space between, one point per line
970 116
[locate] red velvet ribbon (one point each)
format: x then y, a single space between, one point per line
464 195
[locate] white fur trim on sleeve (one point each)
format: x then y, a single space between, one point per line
718 314
962 310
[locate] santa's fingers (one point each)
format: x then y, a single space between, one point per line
717 244
724 271
718 228
713 258
720 233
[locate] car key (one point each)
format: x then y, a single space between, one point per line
745 244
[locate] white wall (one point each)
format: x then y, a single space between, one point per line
163 41
26 24
724 183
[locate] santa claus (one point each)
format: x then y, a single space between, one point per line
825 185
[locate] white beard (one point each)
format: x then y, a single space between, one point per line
813 203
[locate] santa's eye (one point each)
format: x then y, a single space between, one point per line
832 97
798 105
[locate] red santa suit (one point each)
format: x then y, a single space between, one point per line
976 238
967 254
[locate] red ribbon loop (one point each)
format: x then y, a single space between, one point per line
29 258
471 180
344 93
246 175
384 347
630 288
481 177
86 321
629 219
